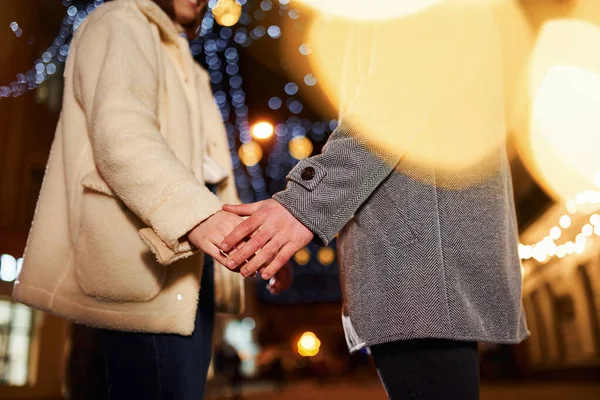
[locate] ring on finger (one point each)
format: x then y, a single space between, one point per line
224 254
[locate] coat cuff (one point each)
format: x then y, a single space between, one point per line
174 219
289 199
164 254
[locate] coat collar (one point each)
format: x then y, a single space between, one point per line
169 31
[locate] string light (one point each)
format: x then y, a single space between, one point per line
548 247
218 43
54 55
565 221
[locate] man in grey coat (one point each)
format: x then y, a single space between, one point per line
416 182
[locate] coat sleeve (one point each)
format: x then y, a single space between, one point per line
324 191
117 83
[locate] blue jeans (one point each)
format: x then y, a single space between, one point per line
163 366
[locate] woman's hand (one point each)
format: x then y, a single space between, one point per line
209 234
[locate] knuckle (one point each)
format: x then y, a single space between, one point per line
245 227
281 258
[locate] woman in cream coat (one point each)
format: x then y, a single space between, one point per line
127 201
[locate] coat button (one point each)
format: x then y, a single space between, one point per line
308 173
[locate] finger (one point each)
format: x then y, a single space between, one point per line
243 209
265 254
243 230
213 251
280 260
251 248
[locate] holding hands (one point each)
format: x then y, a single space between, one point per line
263 243
275 236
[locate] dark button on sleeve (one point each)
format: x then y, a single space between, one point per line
308 173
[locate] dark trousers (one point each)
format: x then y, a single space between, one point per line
163 366
428 369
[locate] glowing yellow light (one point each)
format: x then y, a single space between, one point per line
551 250
525 252
587 230
564 126
302 257
560 251
569 247
250 153
262 130
597 230
227 12
448 76
309 345
300 147
595 219
565 221
555 232
326 255
365 10
539 253
580 245
571 206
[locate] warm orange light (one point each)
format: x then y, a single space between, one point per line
365 10
250 153
263 130
326 255
300 147
302 257
227 12
561 147
309 345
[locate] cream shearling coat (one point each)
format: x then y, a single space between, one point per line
124 182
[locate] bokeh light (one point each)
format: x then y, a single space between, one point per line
8 268
248 323
366 10
227 12
564 135
326 255
450 91
300 147
263 130
250 153
302 257
309 345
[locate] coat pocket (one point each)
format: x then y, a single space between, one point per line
112 263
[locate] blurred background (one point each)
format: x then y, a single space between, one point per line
273 65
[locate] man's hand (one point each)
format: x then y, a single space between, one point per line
209 234
276 234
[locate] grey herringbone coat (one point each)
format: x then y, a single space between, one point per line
426 218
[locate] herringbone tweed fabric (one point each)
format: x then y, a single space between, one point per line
417 260
426 249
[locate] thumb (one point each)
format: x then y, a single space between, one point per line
243 209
